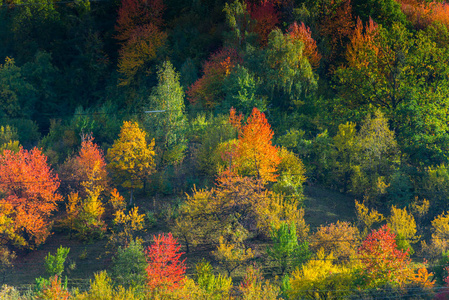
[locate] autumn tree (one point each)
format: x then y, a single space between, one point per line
255 154
382 261
165 270
207 91
266 18
304 34
87 170
28 197
139 29
131 158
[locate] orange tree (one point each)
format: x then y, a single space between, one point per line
255 154
28 196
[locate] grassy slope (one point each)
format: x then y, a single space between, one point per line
321 207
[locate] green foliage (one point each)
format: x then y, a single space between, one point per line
167 125
214 287
385 12
128 266
102 288
54 264
285 250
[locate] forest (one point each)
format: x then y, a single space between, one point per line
219 149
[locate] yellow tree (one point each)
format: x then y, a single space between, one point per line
131 158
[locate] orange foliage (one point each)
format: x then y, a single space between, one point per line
29 191
207 90
266 18
337 24
422 14
303 33
363 45
138 27
54 290
255 153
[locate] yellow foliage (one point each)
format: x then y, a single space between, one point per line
420 209
131 159
367 217
440 236
320 278
232 255
403 224
345 138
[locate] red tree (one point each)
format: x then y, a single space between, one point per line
28 190
303 33
165 270
207 90
383 262
266 18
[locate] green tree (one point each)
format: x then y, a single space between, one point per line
131 158
128 266
54 264
168 124
285 250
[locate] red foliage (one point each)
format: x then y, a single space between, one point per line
165 270
418 13
207 90
266 18
29 191
382 259
136 13
303 33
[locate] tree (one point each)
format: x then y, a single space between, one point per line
138 27
168 96
165 270
266 18
286 251
304 34
87 170
255 154
129 265
383 262
131 158
28 196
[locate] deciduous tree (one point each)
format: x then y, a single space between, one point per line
28 197
131 158
165 270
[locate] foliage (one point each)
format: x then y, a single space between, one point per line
255 287
382 261
28 197
266 18
439 243
341 239
320 278
291 175
255 155
165 270
207 91
215 287
169 124
129 265
232 254
101 288
285 250
404 226
53 289
367 217
131 158
304 34
54 264
126 225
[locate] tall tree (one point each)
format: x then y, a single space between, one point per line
28 197
131 158
168 125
